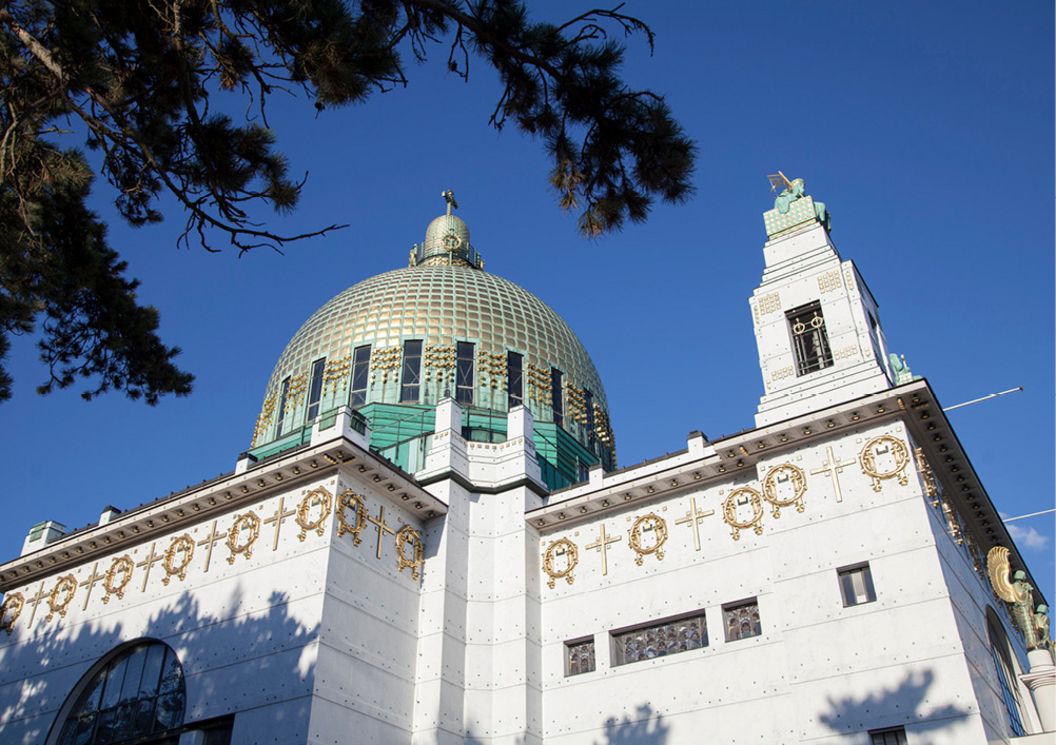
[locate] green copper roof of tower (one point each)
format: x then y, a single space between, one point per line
440 328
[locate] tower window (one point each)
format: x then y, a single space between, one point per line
315 390
411 382
464 378
360 373
284 391
856 585
514 380
555 396
810 340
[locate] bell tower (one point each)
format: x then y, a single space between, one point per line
817 325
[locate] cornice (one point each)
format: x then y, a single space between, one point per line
208 500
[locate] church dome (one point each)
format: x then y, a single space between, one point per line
440 328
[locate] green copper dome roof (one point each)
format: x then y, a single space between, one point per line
443 299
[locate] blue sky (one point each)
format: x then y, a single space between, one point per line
926 128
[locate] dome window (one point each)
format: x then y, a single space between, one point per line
555 396
284 393
464 379
514 380
360 375
315 390
411 381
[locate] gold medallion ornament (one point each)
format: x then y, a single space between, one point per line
653 524
177 558
318 497
745 496
243 534
564 549
784 486
885 457
10 610
349 500
118 576
406 535
61 596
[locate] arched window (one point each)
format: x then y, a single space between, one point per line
135 696
1006 673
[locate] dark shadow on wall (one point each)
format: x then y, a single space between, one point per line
643 727
905 704
265 646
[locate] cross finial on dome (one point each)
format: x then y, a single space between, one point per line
449 197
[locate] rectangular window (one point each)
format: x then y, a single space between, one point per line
315 390
893 736
741 620
810 340
360 375
856 585
464 374
556 401
579 657
411 381
660 638
284 391
514 380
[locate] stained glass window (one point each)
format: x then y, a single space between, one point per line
138 696
514 380
659 639
741 620
315 390
1005 676
464 376
360 375
410 383
810 340
579 657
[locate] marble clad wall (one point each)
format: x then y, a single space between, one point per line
819 671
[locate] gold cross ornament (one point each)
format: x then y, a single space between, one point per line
277 518
90 583
833 468
602 545
209 541
382 527
693 518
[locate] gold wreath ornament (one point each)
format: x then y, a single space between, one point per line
118 575
729 511
247 523
648 523
184 546
560 547
61 596
785 473
898 451
316 497
350 500
406 535
10 610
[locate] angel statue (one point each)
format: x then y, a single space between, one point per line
793 190
1020 594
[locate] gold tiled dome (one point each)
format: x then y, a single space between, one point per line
440 303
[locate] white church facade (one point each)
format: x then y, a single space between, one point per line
429 543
